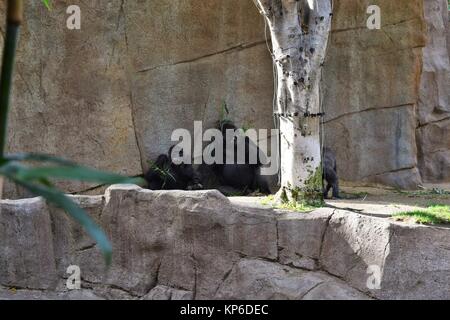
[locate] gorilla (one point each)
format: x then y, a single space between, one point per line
244 177
228 178
165 175
330 173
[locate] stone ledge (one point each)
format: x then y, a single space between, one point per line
182 245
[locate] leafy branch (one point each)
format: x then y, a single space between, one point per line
224 115
163 172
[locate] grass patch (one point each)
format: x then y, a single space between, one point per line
297 206
268 201
436 214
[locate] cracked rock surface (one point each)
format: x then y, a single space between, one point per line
387 93
111 95
201 245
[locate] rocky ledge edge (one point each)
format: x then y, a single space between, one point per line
183 245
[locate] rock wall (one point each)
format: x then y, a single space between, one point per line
433 132
386 92
201 245
110 94
72 94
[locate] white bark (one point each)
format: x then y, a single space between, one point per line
299 40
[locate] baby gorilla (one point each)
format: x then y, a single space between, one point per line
330 173
165 175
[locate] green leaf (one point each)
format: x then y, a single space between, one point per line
163 172
38 157
47 4
14 172
10 168
36 180
75 173
65 169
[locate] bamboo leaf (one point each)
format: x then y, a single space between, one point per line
38 157
64 169
76 173
14 173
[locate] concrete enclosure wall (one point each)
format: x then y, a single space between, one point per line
110 94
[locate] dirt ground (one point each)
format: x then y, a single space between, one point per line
376 200
387 201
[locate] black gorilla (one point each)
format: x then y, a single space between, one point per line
330 173
165 175
243 177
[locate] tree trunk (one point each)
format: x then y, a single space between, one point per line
299 32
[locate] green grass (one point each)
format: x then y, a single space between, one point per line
292 206
436 214
267 201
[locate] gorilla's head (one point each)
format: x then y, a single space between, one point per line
225 125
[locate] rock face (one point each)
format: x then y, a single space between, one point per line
386 93
72 94
300 238
200 245
111 94
261 280
375 119
352 243
166 293
434 96
194 55
14 294
27 254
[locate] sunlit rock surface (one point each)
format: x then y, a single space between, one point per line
202 245
110 94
